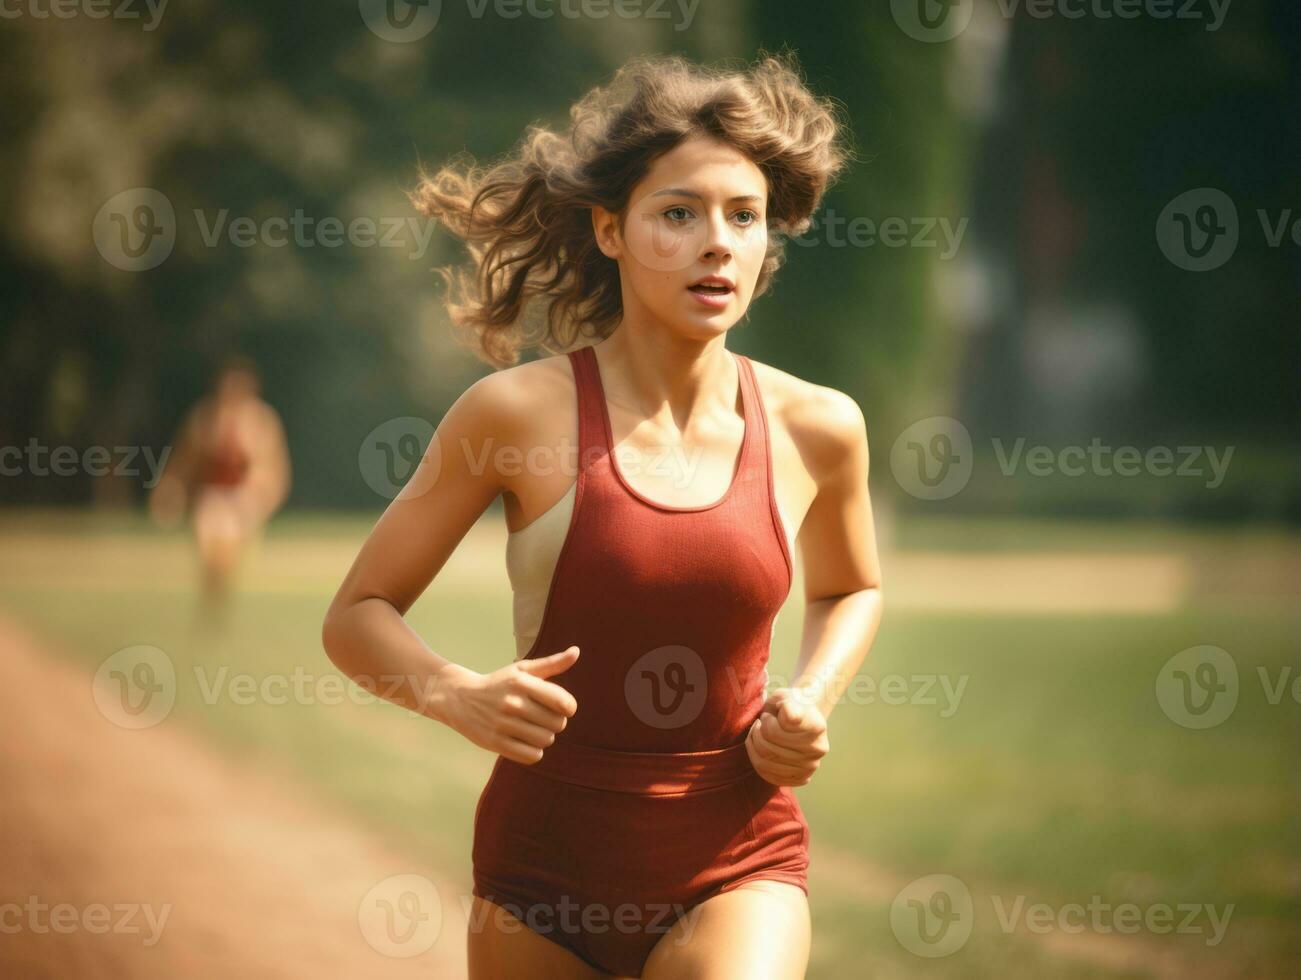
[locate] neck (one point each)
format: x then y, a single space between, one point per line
656 374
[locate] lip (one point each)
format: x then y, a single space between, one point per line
715 301
715 281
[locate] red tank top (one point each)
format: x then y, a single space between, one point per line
225 461
672 607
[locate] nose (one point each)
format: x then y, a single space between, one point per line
718 237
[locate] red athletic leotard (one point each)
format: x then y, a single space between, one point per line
225 460
647 804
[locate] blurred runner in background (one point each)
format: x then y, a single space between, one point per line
230 467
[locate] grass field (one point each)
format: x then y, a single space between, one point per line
1022 750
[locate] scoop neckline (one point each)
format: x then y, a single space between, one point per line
747 419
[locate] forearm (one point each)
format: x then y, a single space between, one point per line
265 490
838 632
371 643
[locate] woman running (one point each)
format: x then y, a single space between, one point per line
639 820
229 466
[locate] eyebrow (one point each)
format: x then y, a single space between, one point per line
687 192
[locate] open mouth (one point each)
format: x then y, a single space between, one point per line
710 287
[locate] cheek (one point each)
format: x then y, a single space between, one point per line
658 247
751 248
653 288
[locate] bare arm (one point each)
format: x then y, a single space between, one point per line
171 494
513 711
842 588
268 481
842 573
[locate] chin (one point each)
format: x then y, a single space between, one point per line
706 327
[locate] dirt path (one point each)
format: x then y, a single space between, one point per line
143 854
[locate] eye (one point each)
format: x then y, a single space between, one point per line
753 217
669 213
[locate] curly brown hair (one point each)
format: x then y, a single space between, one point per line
526 220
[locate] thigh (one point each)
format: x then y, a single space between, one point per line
760 930
217 518
501 947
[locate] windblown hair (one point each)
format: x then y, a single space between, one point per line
526 220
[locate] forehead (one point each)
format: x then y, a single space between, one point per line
238 377
706 166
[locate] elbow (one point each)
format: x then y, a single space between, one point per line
346 634
333 640
878 602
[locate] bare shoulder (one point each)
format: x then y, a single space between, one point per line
509 403
267 417
825 424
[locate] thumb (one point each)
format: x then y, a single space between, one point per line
547 666
791 715
772 704
785 705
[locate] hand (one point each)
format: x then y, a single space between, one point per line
513 711
788 740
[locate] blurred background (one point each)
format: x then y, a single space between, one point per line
1061 281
